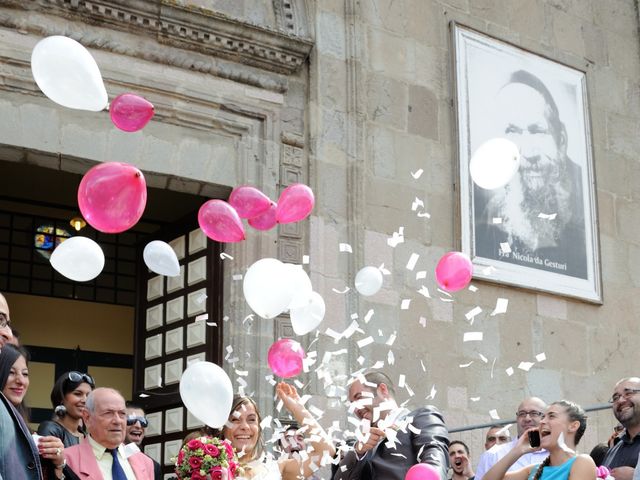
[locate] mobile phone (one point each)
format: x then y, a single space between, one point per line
534 438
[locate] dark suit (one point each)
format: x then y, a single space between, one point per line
430 446
19 459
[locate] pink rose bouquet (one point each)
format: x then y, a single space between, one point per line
206 458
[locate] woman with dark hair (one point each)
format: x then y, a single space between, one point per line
560 430
244 431
68 398
14 383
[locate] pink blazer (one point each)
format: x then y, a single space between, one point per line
82 461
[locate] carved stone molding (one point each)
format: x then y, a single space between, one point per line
291 16
186 28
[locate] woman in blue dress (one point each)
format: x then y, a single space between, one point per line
561 429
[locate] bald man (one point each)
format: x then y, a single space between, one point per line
529 414
6 335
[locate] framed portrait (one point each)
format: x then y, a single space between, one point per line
540 229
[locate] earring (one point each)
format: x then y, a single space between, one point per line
60 411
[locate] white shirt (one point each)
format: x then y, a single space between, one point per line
489 458
105 460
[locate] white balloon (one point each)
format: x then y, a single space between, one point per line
368 281
299 285
494 163
267 288
66 72
207 393
160 258
78 258
307 318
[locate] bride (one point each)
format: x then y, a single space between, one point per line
244 432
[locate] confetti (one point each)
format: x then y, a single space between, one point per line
526 366
422 274
391 359
472 337
404 305
379 364
501 306
509 371
473 288
365 341
496 220
474 399
305 259
345 247
204 316
472 313
483 358
547 216
401 380
493 364
360 360
237 277
417 174
423 321
397 238
411 264
494 414
505 248
417 203
424 369
541 357
341 292
224 255
392 338
489 270
368 316
424 291
424 214
432 395
143 395
465 365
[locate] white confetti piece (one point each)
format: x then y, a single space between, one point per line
417 203
424 215
391 359
494 414
424 291
472 313
225 318
305 259
465 365
547 216
365 341
473 288
345 247
474 399
509 371
541 357
401 380
411 264
472 337
224 255
392 339
417 174
378 365
248 318
489 270
354 316
237 277
341 292
143 395
483 358
409 390
424 369
397 238
505 247
383 270
404 305
493 364
496 220
432 395
526 366
422 274
360 360
501 306
202 317
423 321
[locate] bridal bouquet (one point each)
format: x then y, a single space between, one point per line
206 458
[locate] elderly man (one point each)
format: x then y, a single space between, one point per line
392 439
137 424
6 335
101 456
529 414
622 458
496 435
540 213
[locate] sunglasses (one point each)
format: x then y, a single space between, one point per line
132 419
81 377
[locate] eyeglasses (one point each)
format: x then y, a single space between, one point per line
81 377
4 320
532 414
132 419
626 394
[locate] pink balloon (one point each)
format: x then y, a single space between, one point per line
249 202
295 203
265 221
112 196
130 112
220 222
454 271
285 358
422 471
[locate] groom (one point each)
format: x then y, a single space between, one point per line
397 439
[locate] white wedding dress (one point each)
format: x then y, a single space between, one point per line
263 469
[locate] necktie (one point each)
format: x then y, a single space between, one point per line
116 469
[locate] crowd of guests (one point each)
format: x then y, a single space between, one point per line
94 434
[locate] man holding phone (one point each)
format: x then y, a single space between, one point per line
529 414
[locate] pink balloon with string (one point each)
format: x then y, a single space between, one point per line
130 112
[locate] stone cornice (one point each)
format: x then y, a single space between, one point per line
186 28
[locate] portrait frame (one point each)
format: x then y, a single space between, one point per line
540 231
